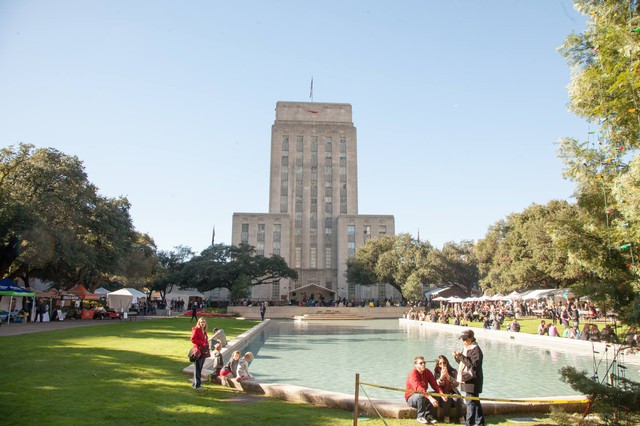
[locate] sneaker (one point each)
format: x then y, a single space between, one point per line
422 420
431 420
446 419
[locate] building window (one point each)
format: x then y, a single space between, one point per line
283 204
328 263
381 291
343 208
367 232
382 230
276 232
343 144
351 233
275 290
276 248
285 143
244 238
261 233
313 258
351 249
352 291
314 144
260 248
300 143
298 257
328 141
285 160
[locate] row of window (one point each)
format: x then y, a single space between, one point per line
328 143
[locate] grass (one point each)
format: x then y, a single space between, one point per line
131 372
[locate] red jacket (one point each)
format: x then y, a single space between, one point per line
199 337
420 382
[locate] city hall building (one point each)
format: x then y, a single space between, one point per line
313 220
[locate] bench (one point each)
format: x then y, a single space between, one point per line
131 316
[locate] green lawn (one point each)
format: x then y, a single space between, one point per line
131 373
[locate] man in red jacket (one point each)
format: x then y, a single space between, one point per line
419 380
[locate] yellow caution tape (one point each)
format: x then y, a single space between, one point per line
519 401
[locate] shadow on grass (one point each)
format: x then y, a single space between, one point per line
123 374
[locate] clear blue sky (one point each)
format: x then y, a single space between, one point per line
458 104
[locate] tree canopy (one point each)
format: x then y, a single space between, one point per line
605 89
520 252
53 223
235 268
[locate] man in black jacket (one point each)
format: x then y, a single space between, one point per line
470 377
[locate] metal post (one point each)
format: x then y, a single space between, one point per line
355 402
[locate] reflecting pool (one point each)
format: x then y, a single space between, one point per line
327 355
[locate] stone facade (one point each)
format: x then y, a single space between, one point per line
313 220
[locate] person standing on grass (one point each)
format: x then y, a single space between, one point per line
201 344
194 312
470 376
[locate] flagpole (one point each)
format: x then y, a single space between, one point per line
311 90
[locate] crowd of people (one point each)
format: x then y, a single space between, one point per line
449 383
561 320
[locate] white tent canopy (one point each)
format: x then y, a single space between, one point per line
183 295
101 291
121 300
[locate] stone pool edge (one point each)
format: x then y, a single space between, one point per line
343 401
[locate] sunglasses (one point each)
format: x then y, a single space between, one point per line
420 363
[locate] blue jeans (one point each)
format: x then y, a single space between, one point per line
475 417
422 404
197 372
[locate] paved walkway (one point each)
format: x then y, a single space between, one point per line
36 327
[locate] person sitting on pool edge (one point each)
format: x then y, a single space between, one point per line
418 380
243 367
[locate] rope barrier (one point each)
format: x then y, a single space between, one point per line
517 401
374 406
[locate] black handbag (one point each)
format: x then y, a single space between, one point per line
194 355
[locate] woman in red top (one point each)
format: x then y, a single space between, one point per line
200 342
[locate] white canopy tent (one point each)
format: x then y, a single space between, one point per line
101 291
121 300
183 295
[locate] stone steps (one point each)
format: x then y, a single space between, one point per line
328 315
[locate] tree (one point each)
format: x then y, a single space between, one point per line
399 261
521 252
456 265
168 270
605 89
235 268
55 225
601 237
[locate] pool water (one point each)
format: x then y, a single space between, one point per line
327 354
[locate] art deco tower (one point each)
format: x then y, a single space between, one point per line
313 195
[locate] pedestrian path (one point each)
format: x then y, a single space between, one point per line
15 329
